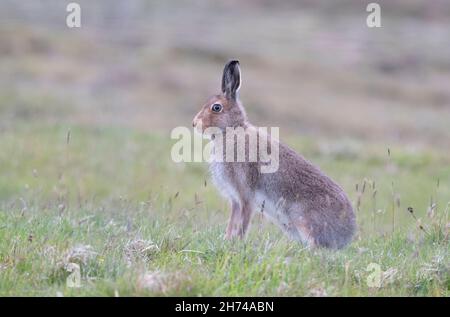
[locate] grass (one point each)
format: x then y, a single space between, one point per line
111 201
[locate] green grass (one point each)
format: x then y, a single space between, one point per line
112 201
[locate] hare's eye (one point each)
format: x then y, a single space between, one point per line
217 107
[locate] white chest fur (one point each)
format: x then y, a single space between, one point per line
224 181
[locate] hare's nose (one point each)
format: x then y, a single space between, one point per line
195 121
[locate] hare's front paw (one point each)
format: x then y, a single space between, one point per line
228 236
231 235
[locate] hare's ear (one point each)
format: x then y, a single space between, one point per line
231 80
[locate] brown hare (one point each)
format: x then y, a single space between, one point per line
305 203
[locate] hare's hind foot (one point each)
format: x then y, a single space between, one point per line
324 235
299 231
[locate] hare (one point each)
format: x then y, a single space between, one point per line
305 203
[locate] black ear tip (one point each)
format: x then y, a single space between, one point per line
232 62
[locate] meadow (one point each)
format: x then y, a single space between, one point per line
87 184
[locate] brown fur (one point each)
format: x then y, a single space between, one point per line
306 204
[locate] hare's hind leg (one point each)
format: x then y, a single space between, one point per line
304 231
297 231
294 225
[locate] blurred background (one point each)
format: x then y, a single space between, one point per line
311 67
86 113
